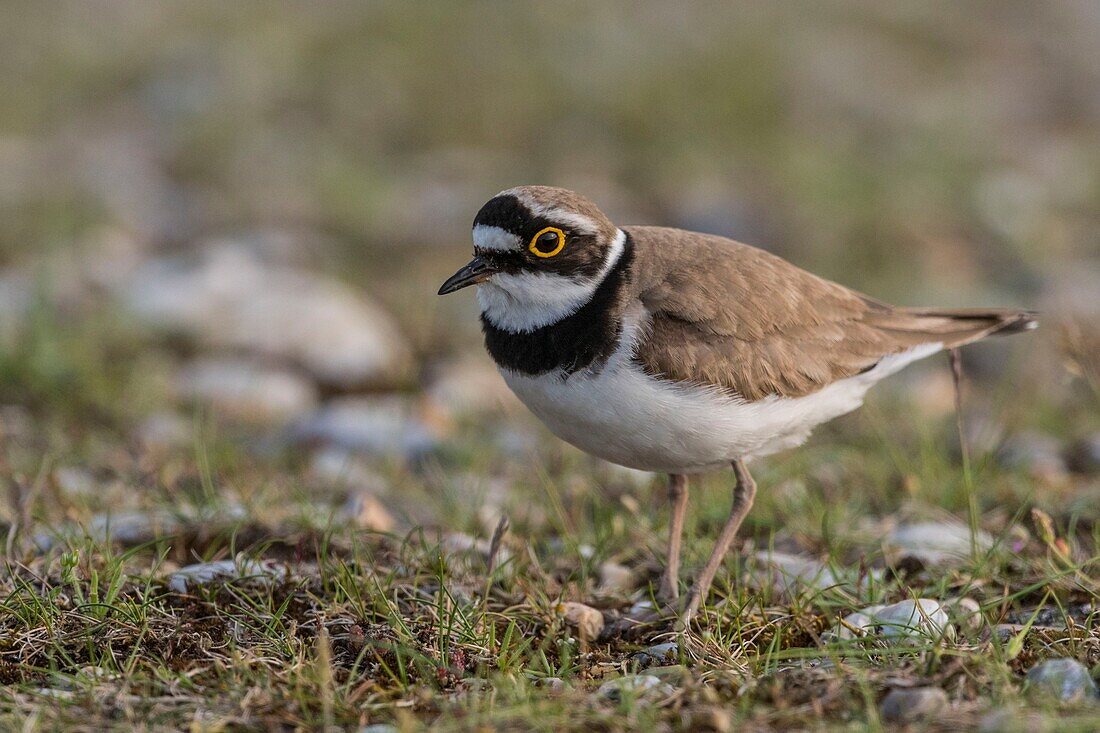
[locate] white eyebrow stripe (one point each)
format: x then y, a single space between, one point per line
495 238
577 222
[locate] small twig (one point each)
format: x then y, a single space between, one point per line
964 448
957 377
494 544
494 550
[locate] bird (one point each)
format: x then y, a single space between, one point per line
680 353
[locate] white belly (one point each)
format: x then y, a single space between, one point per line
624 416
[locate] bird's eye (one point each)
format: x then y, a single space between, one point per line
548 242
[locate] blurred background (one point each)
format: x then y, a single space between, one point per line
237 214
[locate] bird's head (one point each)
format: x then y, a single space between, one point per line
539 254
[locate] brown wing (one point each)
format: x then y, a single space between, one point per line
736 317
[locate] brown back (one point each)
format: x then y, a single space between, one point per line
741 319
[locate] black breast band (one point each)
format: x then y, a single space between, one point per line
585 338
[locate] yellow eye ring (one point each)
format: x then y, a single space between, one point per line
533 246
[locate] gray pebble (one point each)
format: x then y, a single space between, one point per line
658 654
642 686
1066 680
907 705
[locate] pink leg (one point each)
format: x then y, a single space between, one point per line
678 500
743 494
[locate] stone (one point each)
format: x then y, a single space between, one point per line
75 481
907 705
205 573
228 297
1037 453
586 620
469 385
643 687
709 719
16 422
245 390
668 652
337 467
457 545
788 573
615 579
379 728
553 685
1065 680
164 431
368 513
907 619
912 618
937 544
384 426
853 626
1084 455
16 300
1056 616
133 527
967 613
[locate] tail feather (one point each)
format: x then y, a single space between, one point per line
953 327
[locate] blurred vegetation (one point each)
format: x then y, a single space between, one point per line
934 153
919 151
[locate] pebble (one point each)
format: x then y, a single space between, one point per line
230 297
1055 616
615 579
460 544
1065 680
909 618
1037 453
133 527
379 728
642 686
1084 455
368 513
246 390
967 613
666 653
912 618
16 300
709 719
16 422
75 481
586 620
340 468
860 621
787 573
165 431
911 704
383 426
553 685
938 544
224 570
470 386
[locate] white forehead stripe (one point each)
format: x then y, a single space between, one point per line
573 221
495 238
522 302
570 219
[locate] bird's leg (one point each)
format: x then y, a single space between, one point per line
678 500
743 494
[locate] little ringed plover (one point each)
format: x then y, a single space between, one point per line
677 352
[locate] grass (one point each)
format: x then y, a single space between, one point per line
909 154
369 627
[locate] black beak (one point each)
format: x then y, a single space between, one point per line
476 270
